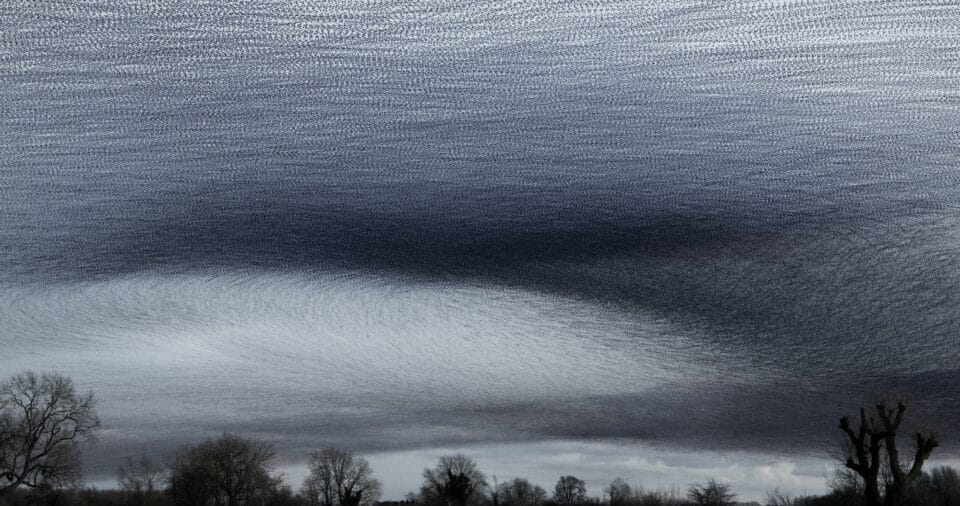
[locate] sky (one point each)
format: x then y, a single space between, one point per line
662 235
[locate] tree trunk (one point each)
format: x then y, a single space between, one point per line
872 492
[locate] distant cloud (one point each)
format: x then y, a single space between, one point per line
703 225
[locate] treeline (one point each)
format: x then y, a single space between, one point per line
44 423
233 471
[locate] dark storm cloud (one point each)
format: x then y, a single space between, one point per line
861 294
790 201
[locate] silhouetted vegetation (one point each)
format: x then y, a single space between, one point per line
569 490
43 422
141 475
713 493
227 471
873 450
939 487
338 478
455 481
520 492
621 493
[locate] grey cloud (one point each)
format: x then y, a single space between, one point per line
752 194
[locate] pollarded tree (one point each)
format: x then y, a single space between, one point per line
455 481
876 434
570 490
43 421
227 471
338 478
520 492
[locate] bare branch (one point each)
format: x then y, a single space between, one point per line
42 422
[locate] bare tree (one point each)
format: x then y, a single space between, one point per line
140 474
338 478
570 490
455 481
43 421
520 492
227 471
939 486
318 487
877 434
945 482
713 493
779 498
660 497
620 492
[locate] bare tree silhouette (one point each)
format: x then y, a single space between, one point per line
140 475
43 421
455 480
713 493
569 490
338 478
877 434
620 492
520 492
227 471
